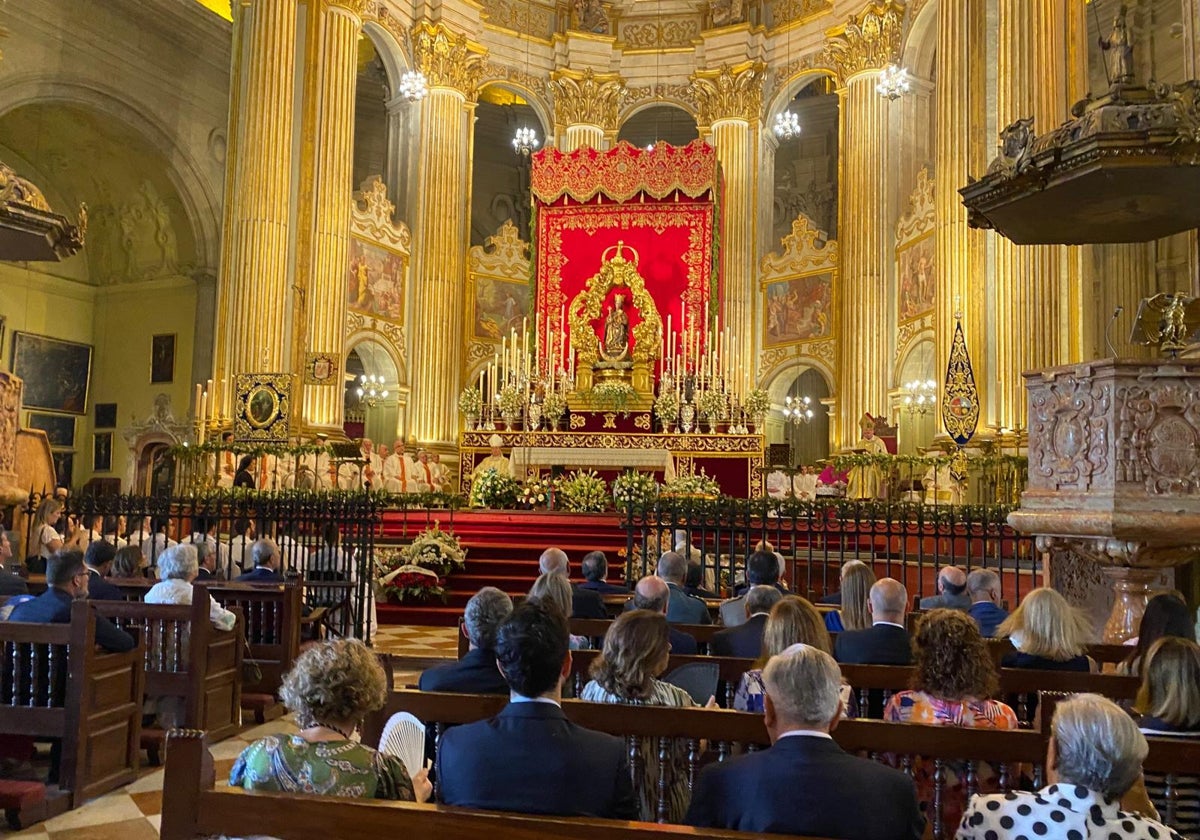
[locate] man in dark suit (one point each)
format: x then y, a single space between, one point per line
886 641
762 569
805 783
952 591
11 583
67 581
652 593
530 758
594 567
98 559
683 608
745 640
476 672
983 585
207 560
584 602
266 557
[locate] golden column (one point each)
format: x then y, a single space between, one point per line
585 107
453 68
730 105
858 51
324 248
254 293
1037 299
961 151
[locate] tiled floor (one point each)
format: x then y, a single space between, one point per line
134 812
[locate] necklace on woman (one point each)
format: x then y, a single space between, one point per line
341 732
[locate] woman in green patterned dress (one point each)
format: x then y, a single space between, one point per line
330 688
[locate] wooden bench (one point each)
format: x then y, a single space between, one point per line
56 686
193 808
188 658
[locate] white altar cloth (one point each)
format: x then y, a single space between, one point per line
527 457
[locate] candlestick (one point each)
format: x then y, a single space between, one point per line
203 409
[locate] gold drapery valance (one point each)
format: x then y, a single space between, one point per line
625 171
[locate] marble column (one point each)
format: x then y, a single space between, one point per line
255 294
730 105
453 69
961 151
330 176
585 107
858 51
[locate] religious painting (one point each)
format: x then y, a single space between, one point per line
56 372
375 280
64 467
798 309
500 306
102 452
59 428
915 278
162 358
106 416
262 407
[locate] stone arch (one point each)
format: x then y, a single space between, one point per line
397 366
779 381
391 53
789 87
632 111
919 52
534 99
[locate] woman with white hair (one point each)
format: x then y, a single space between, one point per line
1094 758
1048 633
178 566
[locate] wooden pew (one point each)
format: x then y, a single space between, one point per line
186 657
55 685
193 808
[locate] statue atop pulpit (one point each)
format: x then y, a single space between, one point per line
614 349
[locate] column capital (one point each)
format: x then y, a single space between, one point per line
868 41
359 8
447 58
586 98
729 93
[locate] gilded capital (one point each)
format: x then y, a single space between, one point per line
447 58
359 8
868 41
729 93
587 98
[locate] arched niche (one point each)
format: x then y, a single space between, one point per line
500 174
658 123
806 167
381 422
915 431
809 440
919 52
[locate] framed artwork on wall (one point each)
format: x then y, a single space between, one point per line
56 372
64 467
102 452
106 416
59 428
162 358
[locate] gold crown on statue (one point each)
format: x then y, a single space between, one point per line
616 251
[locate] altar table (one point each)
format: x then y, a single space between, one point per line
525 458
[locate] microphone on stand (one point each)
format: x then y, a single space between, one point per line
1108 330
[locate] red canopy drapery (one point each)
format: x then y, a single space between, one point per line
661 203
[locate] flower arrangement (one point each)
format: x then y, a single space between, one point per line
757 402
554 406
470 401
493 490
666 407
634 489
436 550
410 583
612 396
583 491
696 484
510 401
711 404
536 491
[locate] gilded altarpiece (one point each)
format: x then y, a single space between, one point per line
799 299
916 270
377 273
498 293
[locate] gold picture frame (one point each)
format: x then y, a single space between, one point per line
262 407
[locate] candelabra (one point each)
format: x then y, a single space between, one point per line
787 125
893 82
920 397
525 141
798 410
413 86
371 390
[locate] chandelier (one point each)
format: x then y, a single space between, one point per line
372 390
798 410
787 125
920 397
414 86
893 82
525 141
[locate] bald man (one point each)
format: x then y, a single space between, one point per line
584 602
952 591
652 593
886 641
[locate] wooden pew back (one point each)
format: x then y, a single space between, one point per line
57 685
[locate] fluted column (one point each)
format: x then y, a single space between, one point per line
1034 318
585 107
252 331
730 105
340 25
1124 276
453 69
858 52
961 151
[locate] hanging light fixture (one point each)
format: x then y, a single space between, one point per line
414 86
525 141
787 124
893 82
920 397
372 389
798 410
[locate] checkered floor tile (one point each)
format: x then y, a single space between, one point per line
414 641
